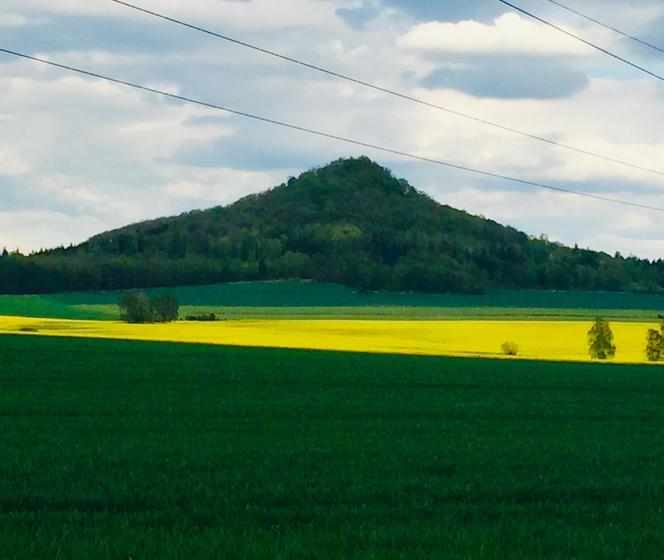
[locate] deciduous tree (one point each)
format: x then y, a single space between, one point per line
600 340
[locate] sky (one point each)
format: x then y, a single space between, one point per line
79 156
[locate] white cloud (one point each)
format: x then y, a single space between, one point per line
97 57
509 34
13 20
31 230
72 189
633 221
250 15
214 186
615 118
652 248
11 164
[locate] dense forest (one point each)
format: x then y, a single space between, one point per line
351 222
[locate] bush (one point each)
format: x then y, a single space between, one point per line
509 348
202 317
600 340
655 345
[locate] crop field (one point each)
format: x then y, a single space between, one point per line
307 300
543 340
123 449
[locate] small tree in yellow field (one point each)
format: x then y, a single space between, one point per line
655 344
600 340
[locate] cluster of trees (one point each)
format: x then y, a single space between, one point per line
350 222
137 307
602 347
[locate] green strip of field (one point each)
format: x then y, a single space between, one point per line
293 300
113 449
419 313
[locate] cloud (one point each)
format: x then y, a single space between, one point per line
359 16
11 164
510 78
13 20
508 34
237 14
627 245
450 10
32 230
205 187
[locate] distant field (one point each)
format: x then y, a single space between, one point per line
543 340
253 300
419 313
114 449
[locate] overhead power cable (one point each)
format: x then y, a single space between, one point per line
607 26
394 93
582 40
327 134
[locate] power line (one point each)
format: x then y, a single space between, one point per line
607 26
394 93
582 40
327 134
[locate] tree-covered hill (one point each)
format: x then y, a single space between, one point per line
351 222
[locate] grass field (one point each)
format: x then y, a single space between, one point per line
304 300
116 449
542 340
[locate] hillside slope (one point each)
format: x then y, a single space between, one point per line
351 222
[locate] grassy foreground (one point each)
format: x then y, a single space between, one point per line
537 340
114 449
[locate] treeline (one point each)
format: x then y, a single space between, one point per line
350 222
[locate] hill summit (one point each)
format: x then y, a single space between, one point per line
351 222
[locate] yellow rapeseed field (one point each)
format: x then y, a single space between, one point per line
547 340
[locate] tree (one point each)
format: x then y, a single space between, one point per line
164 307
654 345
135 307
600 340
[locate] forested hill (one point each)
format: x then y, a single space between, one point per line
351 222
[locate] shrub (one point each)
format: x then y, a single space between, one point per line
600 340
202 317
654 345
509 348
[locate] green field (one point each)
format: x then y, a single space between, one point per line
295 299
112 449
